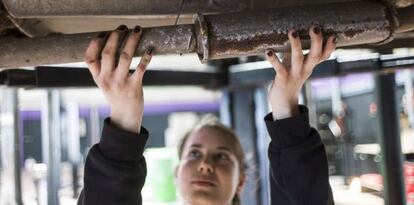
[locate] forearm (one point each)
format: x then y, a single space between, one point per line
116 167
299 175
108 182
297 156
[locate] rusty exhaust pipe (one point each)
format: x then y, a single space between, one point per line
222 35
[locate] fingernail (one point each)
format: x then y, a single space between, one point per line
150 50
137 29
317 30
122 28
295 34
335 39
101 35
269 53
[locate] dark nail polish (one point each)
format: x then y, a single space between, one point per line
137 29
317 30
150 50
269 53
101 35
122 28
295 34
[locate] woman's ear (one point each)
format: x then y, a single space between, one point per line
242 181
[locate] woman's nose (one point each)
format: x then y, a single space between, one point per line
206 166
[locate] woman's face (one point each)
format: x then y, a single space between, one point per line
209 171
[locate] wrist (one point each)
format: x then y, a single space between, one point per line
282 113
282 110
127 122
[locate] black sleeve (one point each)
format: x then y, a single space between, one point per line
298 163
115 168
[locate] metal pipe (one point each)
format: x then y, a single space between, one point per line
251 33
405 18
223 35
44 8
403 3
35 28
65 8
17 52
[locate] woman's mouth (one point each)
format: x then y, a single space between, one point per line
203 183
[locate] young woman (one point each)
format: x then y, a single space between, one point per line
211 168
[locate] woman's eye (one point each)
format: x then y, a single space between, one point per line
223 156
194 153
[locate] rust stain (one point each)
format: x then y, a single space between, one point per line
352 33
247 44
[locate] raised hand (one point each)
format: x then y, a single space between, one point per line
122 90
292 73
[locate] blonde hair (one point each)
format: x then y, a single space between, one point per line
211 122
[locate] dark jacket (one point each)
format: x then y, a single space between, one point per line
115 169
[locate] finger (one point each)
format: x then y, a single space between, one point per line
127 54
287 59
296 51
329 47
315 52
93 52
142 66
109 51
277 65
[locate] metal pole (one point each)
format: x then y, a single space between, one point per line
43 183
10 135
52 152
94 126
310 103
72 109
336 97
340 130
225 108
408 87
245 127
263 140
392 159
17 148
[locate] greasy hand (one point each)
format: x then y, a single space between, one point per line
122 90
290 76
